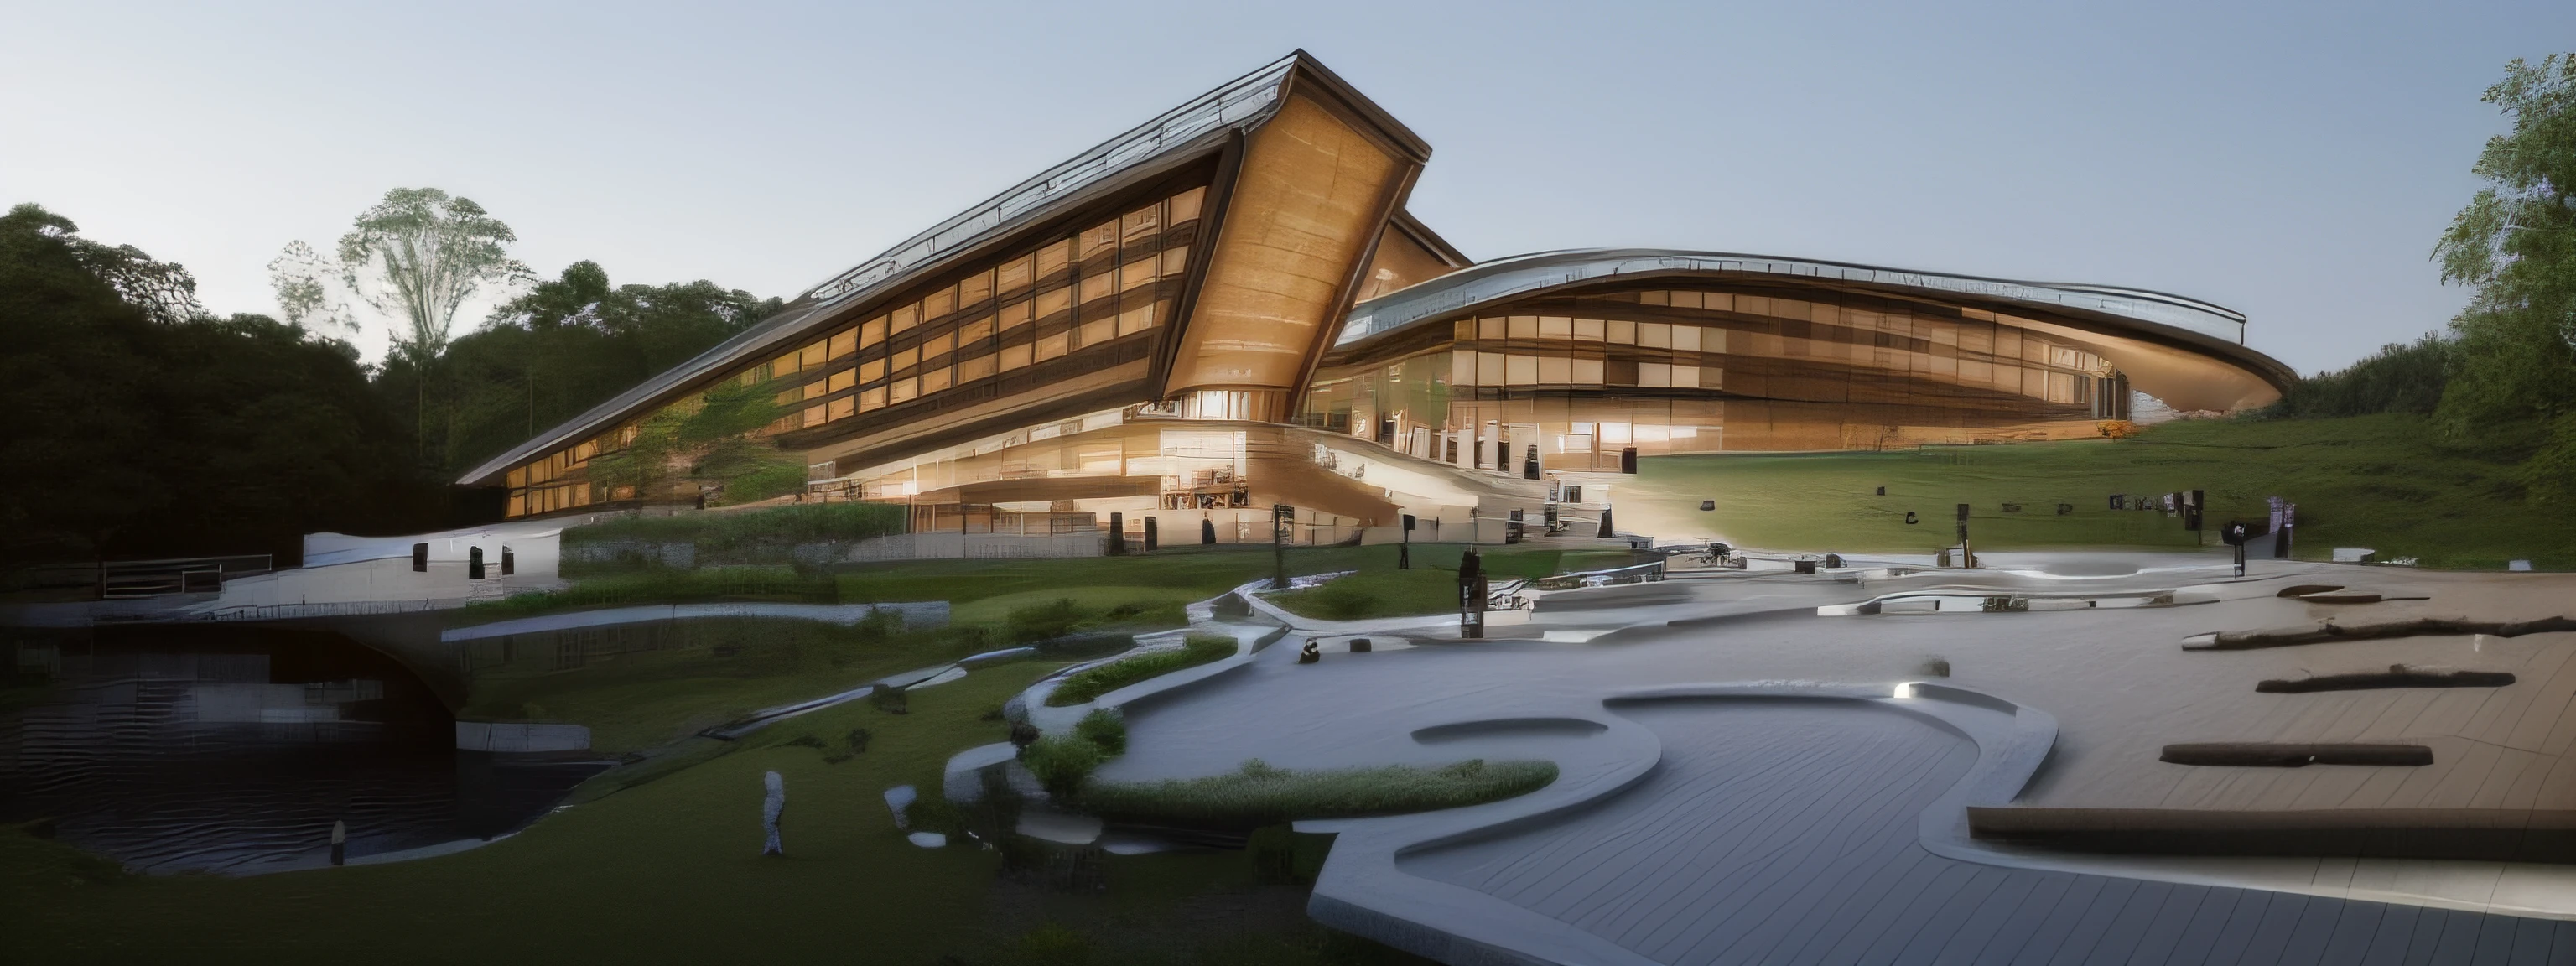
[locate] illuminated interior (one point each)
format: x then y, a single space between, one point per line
1228 309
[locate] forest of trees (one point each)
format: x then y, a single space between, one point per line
142 426
566 345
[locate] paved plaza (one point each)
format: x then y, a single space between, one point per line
1744 779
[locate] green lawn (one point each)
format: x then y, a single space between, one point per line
727 669
667 871
642 700
1369 594
779 584
1260 795
2389 482
1084 685
1197 572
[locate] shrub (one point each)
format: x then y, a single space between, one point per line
1088 644
1389 593
1106 728
1260 795
664 587
1038 622
1343 599
1062 763
1196 649
721 534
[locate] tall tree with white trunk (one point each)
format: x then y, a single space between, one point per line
418 255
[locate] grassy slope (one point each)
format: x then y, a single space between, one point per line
2385 482
774 584
642 700
668 871
1371 594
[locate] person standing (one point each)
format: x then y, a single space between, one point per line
771 807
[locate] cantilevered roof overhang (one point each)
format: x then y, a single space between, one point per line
1195 130
2172 322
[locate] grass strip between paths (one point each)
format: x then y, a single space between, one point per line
1196 649
1260 795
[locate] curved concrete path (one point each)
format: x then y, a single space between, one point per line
1457 885
1790 823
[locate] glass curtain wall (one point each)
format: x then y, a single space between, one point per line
1579 379
1063 296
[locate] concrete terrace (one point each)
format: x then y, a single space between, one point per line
1757 829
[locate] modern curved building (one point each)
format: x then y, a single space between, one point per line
1228 308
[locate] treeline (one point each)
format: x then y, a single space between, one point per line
2399 378
138 425
2503 377
568 344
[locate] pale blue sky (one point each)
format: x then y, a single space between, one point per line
2292 162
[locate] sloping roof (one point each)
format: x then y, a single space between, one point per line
1196 126
2212 329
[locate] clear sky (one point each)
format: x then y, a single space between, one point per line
2291 162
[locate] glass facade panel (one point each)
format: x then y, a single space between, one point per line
1818 372
1059 295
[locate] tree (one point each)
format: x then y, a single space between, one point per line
2399 378
140 426
418 255
304 286
561 347
712 440
70 379
2515 246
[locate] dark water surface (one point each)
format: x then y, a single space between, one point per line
234 750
